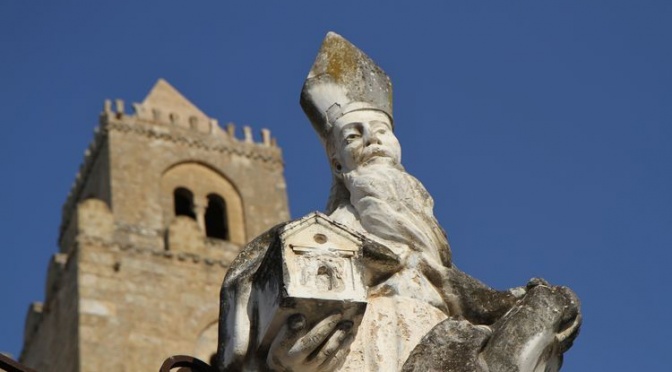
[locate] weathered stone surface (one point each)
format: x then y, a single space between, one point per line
343 79
531 337
422 313
134 282
451 346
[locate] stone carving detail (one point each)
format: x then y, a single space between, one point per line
371 285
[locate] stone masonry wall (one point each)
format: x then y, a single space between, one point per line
51 334
141 153
133 283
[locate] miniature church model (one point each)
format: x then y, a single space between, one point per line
314 265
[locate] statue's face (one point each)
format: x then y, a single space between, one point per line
363 137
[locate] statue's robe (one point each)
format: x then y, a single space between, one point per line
470 300
415 292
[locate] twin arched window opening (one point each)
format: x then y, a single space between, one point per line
216 224
214 219
184 202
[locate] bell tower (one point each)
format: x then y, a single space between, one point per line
163 202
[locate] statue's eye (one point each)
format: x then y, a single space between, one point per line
381 131
352 137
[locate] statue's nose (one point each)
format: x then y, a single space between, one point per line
371 139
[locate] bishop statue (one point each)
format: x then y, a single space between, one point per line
369 285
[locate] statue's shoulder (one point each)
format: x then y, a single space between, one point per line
250 257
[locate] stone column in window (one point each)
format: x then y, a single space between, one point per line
200 204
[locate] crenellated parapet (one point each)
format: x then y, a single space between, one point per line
192 129
161 205
209 136
165 115
91 154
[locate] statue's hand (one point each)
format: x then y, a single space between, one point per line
322 348
571 320
537 282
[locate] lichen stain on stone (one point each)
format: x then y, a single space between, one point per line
405 331
342 58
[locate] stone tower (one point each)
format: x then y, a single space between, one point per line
163 202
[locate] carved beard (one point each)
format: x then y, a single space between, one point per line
396 207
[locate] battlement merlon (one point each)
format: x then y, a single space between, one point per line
166 115
204 125
166 106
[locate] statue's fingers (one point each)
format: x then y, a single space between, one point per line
319 356
332 344
567 336
278 354
305 345
335 360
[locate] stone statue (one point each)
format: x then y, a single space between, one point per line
404 305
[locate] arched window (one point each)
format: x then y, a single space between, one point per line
216 224
184 202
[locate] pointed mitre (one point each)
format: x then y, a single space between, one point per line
343 79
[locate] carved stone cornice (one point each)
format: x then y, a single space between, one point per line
156 252
253 151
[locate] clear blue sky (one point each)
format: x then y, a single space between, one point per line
541 128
